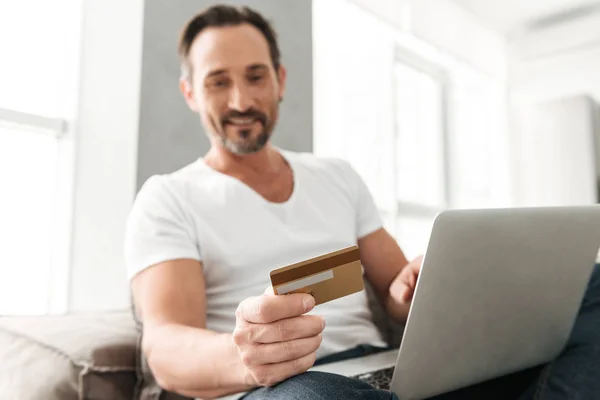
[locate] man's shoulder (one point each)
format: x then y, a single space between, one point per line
175 183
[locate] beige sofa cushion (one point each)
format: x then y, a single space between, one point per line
87 356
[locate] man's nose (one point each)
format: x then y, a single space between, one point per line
240 98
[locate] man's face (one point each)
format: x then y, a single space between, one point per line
234 86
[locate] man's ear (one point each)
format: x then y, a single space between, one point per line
187 90
281 78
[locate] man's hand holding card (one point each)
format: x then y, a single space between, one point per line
274 337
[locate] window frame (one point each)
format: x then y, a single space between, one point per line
411 60
59 263
55 126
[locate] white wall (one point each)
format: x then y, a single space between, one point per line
106 146
556 153
558 61
554 75
447 27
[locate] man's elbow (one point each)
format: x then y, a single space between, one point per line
159 367
167 383
166 378
163 381
155 363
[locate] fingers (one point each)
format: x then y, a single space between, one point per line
407 283
410 273
411 284
267 309
407 295
408 277
419 261
415 265
281 331
274 353
270 374
412 280
273 337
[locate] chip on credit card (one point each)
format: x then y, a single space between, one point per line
327 277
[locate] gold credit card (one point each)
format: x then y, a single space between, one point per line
327 277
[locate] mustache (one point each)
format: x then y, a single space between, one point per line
255 114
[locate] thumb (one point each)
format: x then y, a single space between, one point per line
269 291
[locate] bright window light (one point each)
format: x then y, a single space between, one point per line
38 39
419 138
28 180
425 130
39 42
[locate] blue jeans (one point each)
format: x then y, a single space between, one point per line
573 375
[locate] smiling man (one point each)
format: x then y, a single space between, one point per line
201 241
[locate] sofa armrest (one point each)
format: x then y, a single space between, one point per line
77 356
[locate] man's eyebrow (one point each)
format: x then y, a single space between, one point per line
257 67
215 73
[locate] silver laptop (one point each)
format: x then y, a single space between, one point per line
498 292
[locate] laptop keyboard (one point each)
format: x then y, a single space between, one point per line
379 379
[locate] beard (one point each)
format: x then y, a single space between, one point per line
242 141
246 146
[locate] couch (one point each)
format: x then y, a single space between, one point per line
91 356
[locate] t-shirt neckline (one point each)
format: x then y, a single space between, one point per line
286 156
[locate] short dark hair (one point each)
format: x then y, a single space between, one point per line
220 16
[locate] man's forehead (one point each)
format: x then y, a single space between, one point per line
229 48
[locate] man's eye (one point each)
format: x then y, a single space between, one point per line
254 78
218 84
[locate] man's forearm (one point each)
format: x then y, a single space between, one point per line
194 362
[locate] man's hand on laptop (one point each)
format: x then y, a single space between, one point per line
275 340
404 285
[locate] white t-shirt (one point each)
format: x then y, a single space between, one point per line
202 214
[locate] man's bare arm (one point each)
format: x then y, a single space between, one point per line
184 356
383 261
272 340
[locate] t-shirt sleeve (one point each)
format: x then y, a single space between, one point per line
368 219
158 228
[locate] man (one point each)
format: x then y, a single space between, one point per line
201 241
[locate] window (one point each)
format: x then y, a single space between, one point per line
421 173
382 110
425 130
39 42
